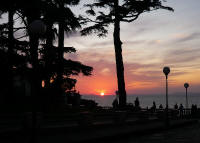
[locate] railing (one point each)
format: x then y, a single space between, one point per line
112 117
92 118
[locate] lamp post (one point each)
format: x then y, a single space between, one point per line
166 71
35 29
186 85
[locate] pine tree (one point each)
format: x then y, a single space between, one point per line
114 12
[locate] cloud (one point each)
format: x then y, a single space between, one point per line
102 44
72 56
73 34
134 42
185 51
183 37
142 85
105 71
185 55
139 77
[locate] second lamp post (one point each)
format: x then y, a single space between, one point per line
186 85
166 71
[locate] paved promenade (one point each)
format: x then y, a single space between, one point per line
186 134
154 131
88 128
114 133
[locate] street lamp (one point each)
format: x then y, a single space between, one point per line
186 85
35 29
166 71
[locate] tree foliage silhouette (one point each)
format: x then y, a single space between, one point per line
58 12
9 46
105 12
46 59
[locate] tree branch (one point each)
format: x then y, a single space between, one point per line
22 37
131 20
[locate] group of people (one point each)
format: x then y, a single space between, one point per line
153 107
136 106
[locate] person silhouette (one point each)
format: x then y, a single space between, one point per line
181 110
176 106
153 108
175 111
154 105
161 106
137 104
115 103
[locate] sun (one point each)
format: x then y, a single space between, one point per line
102 93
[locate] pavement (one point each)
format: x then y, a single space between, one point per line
112 132
91 133
185 134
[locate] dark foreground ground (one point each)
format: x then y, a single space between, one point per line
181 131
186 134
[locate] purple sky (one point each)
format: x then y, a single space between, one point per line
157 39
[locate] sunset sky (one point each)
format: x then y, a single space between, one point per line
157 39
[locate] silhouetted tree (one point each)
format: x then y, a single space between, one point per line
57 67
10 47
47 61
114 12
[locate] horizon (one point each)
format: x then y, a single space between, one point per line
147 100
158 94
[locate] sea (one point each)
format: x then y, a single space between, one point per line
147 100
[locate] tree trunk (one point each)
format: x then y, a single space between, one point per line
60 46
36 80
48 54
10 31
10 49
119 58
9 95
35 73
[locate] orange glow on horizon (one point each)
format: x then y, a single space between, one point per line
96 85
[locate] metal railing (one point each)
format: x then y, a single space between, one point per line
106 116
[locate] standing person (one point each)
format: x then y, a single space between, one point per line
153 108
117 94
175 111
161 106
176 106
137 104
115 101
181 110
